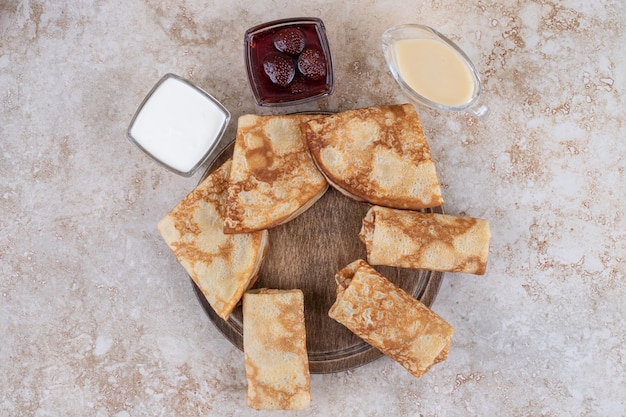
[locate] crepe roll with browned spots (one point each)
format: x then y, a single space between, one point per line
222 266
390 319
432 241
274 345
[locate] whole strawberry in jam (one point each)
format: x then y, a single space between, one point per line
279 68
298 85
289 41
312 64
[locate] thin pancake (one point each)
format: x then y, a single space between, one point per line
376 154
433 241
273 178
223 266
389 319
274 344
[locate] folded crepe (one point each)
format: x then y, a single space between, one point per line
273 178
390 319
222 266
376 154
274 345
433 241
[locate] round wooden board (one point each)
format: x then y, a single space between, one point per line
305 253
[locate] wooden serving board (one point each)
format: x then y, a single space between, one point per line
305 253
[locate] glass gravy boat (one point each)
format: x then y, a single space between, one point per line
405 66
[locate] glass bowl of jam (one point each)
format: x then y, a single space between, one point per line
288 61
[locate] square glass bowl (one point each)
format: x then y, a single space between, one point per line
288 61
178 125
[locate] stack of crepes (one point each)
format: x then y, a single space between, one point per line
281 165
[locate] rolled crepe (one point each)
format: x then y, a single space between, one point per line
437 242
390 319
274 345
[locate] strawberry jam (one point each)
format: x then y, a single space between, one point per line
288 61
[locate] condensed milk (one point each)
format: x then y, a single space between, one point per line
432 70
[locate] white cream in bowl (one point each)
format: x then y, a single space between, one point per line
178 124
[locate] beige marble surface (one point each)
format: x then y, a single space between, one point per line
98 319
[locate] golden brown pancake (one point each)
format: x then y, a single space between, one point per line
376 154
389 319
273 178
222 266
274 344
433 241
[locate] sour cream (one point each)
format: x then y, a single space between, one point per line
178 124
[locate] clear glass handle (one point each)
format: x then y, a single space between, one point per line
479 110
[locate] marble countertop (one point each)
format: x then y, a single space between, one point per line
98 319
